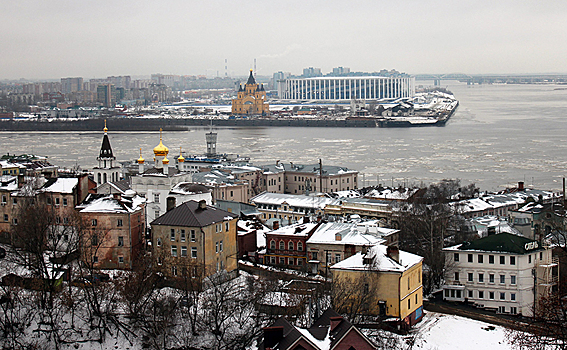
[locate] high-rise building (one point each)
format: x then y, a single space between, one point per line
71 85
106 94
341 70
312 72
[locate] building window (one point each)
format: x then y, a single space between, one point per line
470 258
513 297
95 259
337 258
56 200
220 246
456 257
182 235
15 221
93 222
290 245
480 258
502 260
512 279
94 240
174 270
216 247
502 279
272 244
156 214
282 245
48 200
470 279
300 246
470 293
272 260
6 218
65 202
529 259
409 303
481 277
329 258
119 223
540 255
193 237
227 226
156 197
159 242
121 259
513 310
491 278
4 200
282 261
314 255
491 295
456 276
120 241
502 296
172 235
183 251
501 309
491 259
512 260
481 294
194 252
174 250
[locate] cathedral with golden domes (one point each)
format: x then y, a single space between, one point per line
251 99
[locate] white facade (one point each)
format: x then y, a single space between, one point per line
501 281
346 88
155 188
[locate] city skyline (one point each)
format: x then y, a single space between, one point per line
62 38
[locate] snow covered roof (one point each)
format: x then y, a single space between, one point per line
313 169
61 185
297 230
109 204
379 261
341 233
392 193
293 200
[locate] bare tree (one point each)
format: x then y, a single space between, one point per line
546 330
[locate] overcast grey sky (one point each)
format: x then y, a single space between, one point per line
59 38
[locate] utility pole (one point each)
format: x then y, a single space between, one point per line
321 175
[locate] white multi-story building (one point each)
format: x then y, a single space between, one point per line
504 272
346 88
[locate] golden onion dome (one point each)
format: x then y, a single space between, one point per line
105 128
165 160
161 150
180 159
141 159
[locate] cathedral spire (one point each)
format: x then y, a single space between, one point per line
251 79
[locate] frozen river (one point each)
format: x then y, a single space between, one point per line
501 134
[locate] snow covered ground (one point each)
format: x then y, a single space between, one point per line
448 332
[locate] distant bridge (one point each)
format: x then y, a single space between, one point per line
494 78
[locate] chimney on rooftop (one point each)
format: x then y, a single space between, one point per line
170 203
272 336
276 225
335 321
393 253
520 185
202 204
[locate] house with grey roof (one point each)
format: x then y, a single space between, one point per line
195 239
